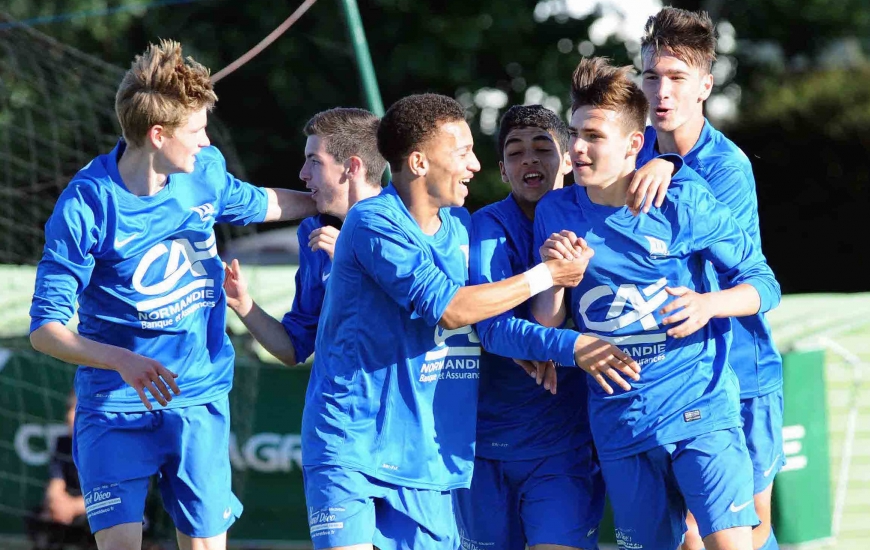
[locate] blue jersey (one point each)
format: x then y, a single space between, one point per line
146 274
392 394
314 269
728 172
516 418
686 386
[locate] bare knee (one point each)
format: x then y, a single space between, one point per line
762 507
692 539
218 542
125 536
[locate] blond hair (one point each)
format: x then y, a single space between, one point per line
599 84
161 88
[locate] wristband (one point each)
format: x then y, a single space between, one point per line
539 279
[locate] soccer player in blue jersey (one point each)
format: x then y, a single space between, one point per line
389 421
131 239
679 48
536 480
674 439
342 166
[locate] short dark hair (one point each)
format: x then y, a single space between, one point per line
532 116
598 83
349 132
411 121
690 36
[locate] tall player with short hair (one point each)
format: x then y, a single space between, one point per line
673 440
679 48
388 425
131 239
342 167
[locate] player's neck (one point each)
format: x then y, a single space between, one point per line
138 175
612 194
357 191
682 139
415 196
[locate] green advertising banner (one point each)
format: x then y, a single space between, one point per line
265 447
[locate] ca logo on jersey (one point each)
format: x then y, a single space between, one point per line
205 211
171 303
457 361
644 302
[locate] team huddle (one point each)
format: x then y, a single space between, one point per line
479 381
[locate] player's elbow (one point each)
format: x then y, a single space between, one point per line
39 338
453 319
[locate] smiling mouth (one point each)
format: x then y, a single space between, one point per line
533 178
582 164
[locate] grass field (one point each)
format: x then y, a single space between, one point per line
838 322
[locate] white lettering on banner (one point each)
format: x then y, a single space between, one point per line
34 442
267 452
792 446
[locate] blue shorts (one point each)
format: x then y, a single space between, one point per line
710 473
346 507
762 427
552 500
188 448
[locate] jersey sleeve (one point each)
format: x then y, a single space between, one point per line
736 189
71 234
506 334
241 203
401 268
300 322
716 234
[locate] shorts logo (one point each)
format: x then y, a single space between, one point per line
101 500
227 512
591 532
324 522
691 416
736 509
657 247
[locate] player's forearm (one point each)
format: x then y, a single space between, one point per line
739 301
285 204
512 337
269 332
56 340
548 307
472 304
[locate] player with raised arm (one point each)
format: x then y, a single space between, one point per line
673 440
388 426
131 239
342 167
679 48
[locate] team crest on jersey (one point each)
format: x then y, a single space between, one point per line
657 247
205 211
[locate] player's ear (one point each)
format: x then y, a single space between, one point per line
157 135
418 164
566 164
635 143
504 176
706 86
353 168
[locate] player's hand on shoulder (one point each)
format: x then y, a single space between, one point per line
649 185
236 289
567 256
602 359
323 238
692 310
143 373
544 372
